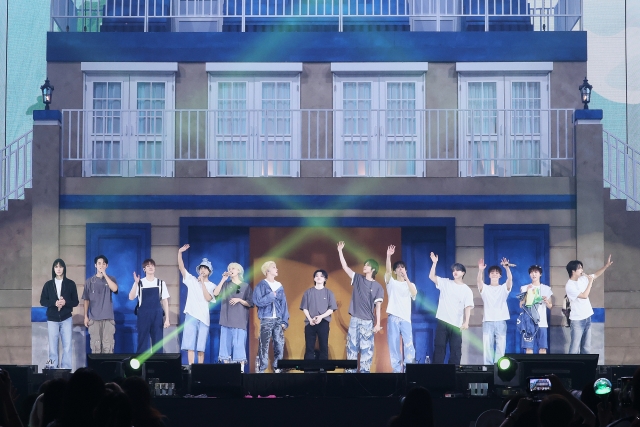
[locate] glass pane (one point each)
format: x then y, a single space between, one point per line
228 152
149 158
280 150
106 99
276 108
151 100
232 105
103 151
525 153
482 100
483 155
526 102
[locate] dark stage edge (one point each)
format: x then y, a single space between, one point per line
312 411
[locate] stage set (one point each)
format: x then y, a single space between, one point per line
219 394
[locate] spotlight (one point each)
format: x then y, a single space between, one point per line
132 367
507 368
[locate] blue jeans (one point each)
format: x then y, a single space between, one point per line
60 330
232 345
360 340
580 336
494 334
396 328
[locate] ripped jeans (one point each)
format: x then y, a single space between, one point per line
360 340
396 328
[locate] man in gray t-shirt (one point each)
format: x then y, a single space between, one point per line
98 307
317 304
364 308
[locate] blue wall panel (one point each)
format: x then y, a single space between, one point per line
371 46
524 245
417 244
126 246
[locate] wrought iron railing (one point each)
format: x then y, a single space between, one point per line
15 173
278 142
622 170
336 15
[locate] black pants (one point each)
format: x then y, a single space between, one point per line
447 333
321 331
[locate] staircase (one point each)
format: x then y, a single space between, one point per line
621 171
15 173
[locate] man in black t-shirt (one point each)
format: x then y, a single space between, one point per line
364 308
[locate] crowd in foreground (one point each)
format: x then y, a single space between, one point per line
85 400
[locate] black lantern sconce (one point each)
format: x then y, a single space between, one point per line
47 93
585 93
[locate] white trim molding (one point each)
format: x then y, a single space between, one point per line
379 67
538 67
254 67
171 67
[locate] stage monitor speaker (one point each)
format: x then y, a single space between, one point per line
312 365
436 378
167 367
575 370
219 380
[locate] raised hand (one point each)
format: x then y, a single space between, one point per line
481 264
434 257
609 262
136 278
183 248
340 246
391 250
505 262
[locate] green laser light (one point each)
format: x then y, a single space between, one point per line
134 363
602 386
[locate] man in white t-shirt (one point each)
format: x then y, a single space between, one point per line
454 309
578 288
496 312
196 308
539 294
401 292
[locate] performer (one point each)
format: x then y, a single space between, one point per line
153 305
273 313
59 295
578 288
496 312
235 301
98 307
537 295
366 299
317 304
401 292
196 308
454 309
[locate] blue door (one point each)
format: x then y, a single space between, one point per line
524 245
125 246
221 245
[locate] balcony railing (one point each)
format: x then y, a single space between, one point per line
15 169
278 142
622 170
324 15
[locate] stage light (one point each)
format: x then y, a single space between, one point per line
507 368
132 367
602 387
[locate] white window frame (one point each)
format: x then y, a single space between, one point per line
379 75
254 75
129 136
504 75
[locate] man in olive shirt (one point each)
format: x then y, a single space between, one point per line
98 307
